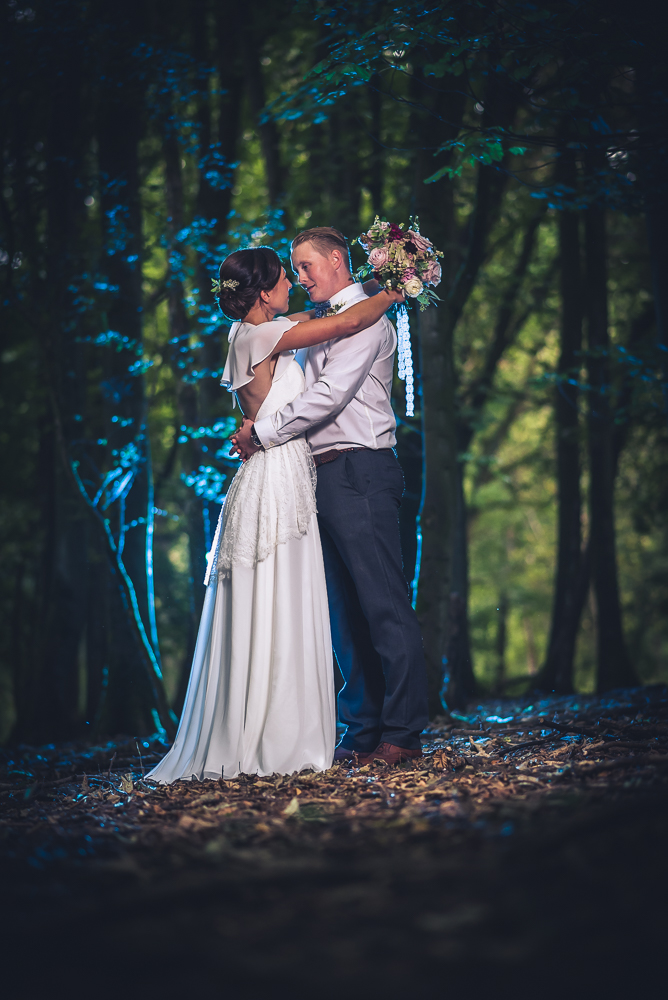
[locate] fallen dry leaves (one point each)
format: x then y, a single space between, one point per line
525 844
475 768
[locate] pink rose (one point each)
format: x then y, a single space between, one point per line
432 275
421 242
378 257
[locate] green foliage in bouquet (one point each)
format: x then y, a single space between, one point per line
401 258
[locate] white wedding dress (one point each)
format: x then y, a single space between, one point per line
261 694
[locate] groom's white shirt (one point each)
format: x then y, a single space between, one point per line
348 388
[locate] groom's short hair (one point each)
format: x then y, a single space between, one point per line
324 239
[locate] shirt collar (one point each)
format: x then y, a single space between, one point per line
351 293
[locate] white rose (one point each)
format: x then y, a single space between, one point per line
413 287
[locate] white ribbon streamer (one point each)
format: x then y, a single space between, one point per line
405 358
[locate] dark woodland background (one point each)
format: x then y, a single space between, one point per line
143 141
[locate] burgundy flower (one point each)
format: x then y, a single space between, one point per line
395 234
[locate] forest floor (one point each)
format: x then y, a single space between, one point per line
524 855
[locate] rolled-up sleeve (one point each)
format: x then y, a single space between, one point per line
347 365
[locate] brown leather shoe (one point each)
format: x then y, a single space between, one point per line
389 754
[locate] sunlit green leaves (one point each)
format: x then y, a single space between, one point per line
336 74
471 148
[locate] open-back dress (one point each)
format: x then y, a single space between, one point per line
260 698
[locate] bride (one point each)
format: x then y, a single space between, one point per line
260 698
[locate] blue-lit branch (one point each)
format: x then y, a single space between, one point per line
120 489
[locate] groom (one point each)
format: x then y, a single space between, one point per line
348 420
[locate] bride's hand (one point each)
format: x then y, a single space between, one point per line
241 441
374 287
396 297
234 450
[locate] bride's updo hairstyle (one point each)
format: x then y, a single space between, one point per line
242 276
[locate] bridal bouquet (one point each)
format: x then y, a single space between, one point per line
402 259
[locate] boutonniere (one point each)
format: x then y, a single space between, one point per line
332 311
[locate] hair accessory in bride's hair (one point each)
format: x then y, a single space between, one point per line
242 278
217 286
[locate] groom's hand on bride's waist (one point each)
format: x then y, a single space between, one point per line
242 443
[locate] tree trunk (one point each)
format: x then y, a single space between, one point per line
652 77
570 589
441 614
436 391
98 632
614 667
460 684
500 643
267 130
130 703
186 395
657 226
214 196
377 154
53 709
439 497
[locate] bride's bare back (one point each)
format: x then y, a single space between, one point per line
252 396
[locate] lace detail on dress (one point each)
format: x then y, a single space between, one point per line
272 497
